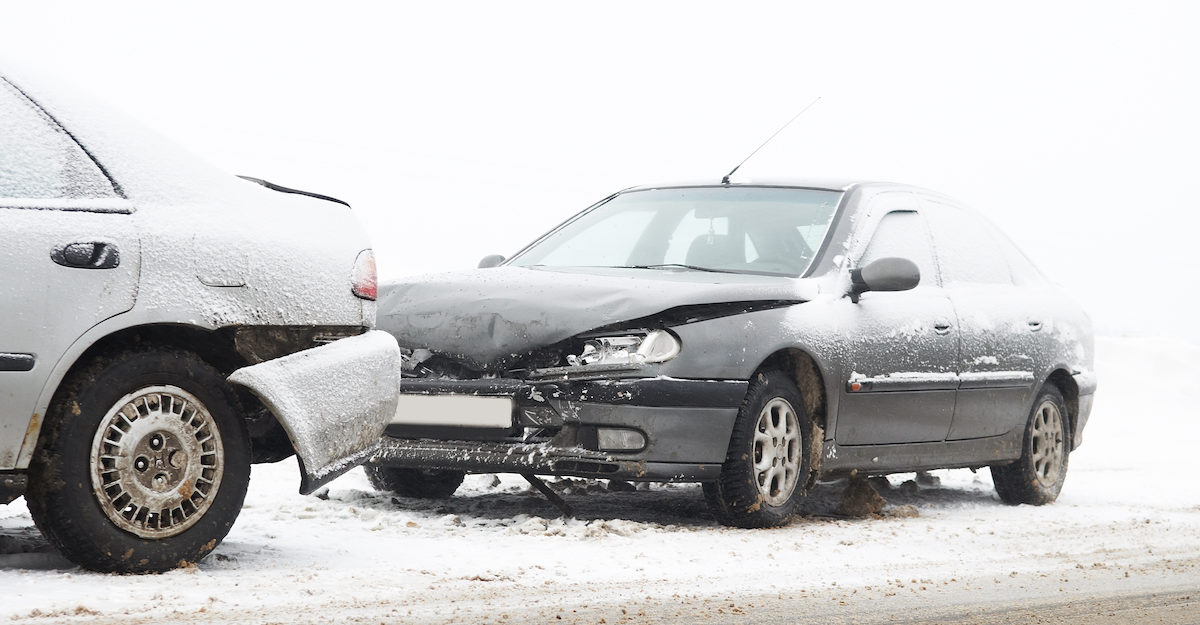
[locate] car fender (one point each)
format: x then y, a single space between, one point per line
736 346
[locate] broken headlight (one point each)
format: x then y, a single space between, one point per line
629 349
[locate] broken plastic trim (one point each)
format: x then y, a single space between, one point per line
12 485
582 372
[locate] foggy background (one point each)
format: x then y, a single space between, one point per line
460 129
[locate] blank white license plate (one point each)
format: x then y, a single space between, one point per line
454 411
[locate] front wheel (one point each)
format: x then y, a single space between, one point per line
416 483
142 464
766 469
1037 477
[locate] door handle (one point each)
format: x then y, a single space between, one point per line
1034 325
941 327
87 255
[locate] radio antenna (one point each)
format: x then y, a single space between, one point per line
725 180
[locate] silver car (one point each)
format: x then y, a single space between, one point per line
164 326
752 337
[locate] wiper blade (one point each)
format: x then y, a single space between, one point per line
678 266
282 189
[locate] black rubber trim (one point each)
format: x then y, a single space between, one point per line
892 385
17 362
1014 381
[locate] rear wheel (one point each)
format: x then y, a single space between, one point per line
1037 477
766 468
142 464
416 483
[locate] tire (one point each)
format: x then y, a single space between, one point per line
142 463
1037 477
766 470
416 483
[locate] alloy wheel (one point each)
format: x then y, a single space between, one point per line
777 451
1048 441
156 463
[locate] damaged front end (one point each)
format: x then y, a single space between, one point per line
591 406
561 371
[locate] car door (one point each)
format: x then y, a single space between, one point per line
902 347
70 256
999 323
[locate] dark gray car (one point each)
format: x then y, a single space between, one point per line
753 337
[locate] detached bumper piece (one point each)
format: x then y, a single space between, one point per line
635 429
537 459
334 401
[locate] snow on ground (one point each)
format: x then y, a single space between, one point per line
1128 519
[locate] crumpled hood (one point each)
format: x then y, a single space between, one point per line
487 318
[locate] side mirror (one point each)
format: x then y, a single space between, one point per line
884 274
491 260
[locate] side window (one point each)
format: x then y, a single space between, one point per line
1024 272
40 161
967 252
904 234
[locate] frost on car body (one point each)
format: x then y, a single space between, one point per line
818 328
137 278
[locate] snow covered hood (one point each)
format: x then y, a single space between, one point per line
487 317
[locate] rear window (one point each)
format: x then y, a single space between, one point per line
38 160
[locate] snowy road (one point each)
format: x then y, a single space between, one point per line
1122 539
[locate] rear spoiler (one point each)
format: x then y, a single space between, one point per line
274 187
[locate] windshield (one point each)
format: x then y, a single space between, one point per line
764 230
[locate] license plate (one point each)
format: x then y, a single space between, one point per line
454 411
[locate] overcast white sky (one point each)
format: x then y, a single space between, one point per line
460 129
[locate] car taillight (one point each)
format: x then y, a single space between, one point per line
363 281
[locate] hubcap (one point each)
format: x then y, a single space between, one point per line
1049 444
777 451
156 462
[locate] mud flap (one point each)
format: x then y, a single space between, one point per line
334 401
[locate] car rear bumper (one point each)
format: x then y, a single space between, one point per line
568 427
334 401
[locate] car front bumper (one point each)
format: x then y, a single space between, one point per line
1086 383
561 427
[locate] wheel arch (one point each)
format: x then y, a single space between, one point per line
806 372
1062 379
213 346
218 348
